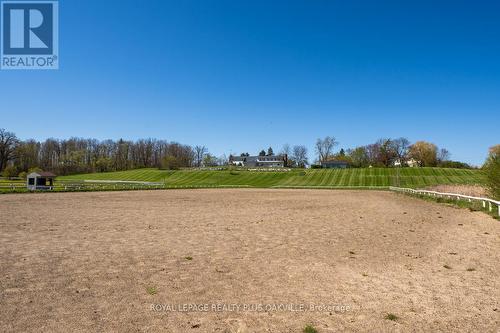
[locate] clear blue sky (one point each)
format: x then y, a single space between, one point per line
245 75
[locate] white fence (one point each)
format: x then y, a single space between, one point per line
87 186
456 196
12 186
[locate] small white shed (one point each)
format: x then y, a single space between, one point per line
41 180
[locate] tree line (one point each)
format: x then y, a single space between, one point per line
383 153
387 152
78 155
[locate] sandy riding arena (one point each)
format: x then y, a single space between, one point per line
242 260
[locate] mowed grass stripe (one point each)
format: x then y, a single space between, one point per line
409 177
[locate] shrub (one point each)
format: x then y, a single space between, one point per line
170 163
391 316
309 329
34 169
151 290
492 170
454 164
9 172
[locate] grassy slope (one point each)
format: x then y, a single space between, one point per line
409 177
145 175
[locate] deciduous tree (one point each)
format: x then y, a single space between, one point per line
324 148
359 157
8 144
443 155
425 153
209 160
300 156
400 146
286 150
387 153
199 154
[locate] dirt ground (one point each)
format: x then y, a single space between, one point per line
245 261
472 190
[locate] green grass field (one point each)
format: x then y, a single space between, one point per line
143 175
369 177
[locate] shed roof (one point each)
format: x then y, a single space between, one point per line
42 174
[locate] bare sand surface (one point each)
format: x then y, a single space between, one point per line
472 190
123 261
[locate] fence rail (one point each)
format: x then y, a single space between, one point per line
111 186
12 186
456 196
67 186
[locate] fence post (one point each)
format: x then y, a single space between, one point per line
490 208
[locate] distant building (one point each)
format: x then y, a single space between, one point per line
274 161
411 163
334 164
41 180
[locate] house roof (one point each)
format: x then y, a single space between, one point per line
241 158
257 158
42 174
